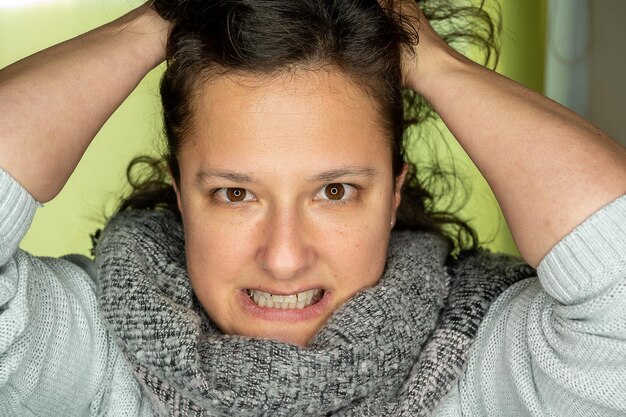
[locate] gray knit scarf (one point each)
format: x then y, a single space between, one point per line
392 350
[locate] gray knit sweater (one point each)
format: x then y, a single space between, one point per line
550 346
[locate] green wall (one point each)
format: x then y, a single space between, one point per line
522 59
523 43
63 226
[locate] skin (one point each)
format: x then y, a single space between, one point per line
286 235
549 168
85 79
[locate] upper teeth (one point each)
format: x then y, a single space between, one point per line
297 301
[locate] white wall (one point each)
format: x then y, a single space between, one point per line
586 60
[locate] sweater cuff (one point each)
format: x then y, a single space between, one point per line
590 259
17 209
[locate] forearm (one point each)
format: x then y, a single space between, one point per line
549 168
53 103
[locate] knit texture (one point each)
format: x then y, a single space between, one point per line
556 346
56 357
365 361
549 347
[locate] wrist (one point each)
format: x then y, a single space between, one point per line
432 67
147 32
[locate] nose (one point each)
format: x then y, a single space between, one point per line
285 251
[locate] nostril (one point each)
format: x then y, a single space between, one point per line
285 249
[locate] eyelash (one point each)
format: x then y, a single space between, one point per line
342 202
218 201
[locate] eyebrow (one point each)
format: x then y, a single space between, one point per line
204 175
333 174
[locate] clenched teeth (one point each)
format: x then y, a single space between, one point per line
294 301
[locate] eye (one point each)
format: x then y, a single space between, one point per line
334 191
337 192
233 195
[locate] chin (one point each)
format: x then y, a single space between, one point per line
299 337
298 340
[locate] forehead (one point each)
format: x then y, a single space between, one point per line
293 116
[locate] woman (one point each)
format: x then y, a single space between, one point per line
273 284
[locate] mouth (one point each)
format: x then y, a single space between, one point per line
297 301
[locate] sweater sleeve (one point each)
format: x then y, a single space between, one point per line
556 345
55 355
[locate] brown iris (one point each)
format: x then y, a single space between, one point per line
335 191
235 194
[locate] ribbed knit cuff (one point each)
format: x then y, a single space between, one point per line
17 208
590 259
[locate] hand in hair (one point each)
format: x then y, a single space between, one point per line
549 168
420 62
83 80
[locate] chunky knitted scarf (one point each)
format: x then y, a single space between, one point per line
392 350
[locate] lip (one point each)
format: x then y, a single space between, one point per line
276 314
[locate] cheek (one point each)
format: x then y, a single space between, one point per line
356 251
216 262
213 247
216 252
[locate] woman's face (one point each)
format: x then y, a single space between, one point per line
287 198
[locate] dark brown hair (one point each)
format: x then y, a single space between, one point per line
358 37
